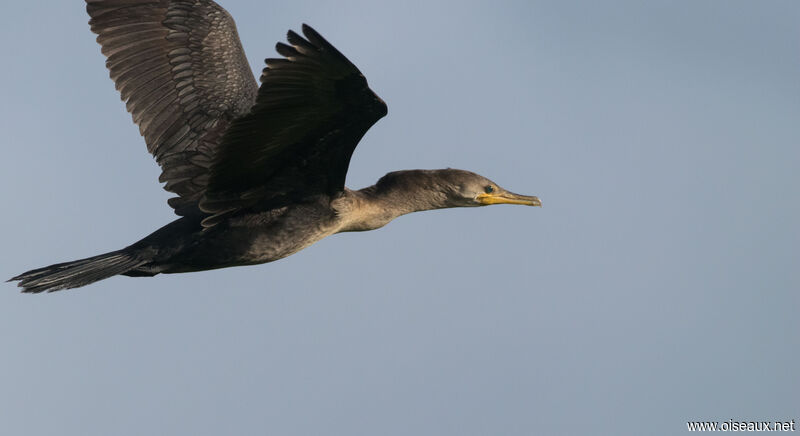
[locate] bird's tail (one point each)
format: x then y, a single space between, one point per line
78 272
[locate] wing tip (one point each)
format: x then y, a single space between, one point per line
293 37
308 29
315 38
286 50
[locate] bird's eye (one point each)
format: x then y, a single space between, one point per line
488 189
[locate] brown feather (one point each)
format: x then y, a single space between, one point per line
180 68
312 109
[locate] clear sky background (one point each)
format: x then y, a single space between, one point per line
658 284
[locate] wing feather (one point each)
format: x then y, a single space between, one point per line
180 68
312 109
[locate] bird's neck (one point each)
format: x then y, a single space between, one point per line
371 208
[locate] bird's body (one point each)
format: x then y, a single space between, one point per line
261 237
259 172
248 239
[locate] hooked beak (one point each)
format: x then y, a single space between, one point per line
505 197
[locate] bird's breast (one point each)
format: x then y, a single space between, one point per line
279 233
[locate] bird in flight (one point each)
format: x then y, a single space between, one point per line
259 171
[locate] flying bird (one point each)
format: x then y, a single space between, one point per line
259 171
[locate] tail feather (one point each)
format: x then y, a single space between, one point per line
78 272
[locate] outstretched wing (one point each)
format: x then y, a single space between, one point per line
182 72
313 107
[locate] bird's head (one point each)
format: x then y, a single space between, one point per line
453 188
466 188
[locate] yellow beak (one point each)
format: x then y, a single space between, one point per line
505 197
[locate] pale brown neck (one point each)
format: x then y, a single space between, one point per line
371 208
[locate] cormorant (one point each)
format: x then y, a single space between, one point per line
259 172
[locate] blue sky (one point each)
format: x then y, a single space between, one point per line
658 284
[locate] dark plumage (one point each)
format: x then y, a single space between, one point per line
259 172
